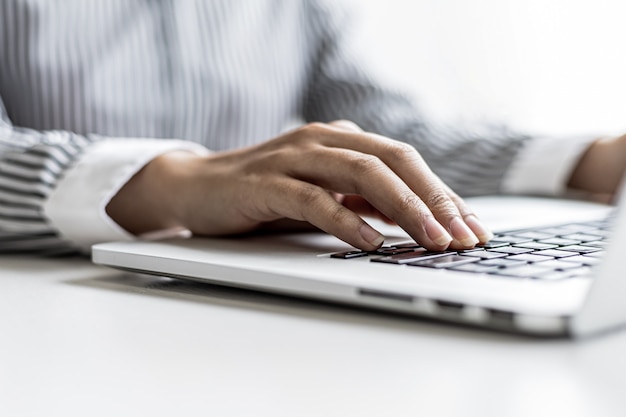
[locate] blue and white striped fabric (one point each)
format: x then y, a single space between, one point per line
222 73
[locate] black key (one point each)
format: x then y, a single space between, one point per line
530 258
582 237
582 260
554 253
533 235
349 255
596 244
580 249
444 262
560 241
535 246
512 239
390 251
557 231
502 263
492 244
470 250
417 255
511 250
595 254
563 263
484 254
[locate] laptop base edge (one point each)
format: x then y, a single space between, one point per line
416 307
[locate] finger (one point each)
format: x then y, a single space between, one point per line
362 207
299 200
350 172
410 167
357 203
481 231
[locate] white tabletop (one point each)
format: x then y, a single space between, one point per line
77 339
80 340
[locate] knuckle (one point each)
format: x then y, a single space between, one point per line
437 199
337 215
308 134
365 164
408 201
315 125
346 124
459 203
308 195
313 129
439 202
402 151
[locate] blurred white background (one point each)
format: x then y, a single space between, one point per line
541 66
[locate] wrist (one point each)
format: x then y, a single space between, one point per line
601 167
154 198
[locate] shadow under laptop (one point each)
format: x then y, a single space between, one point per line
241 298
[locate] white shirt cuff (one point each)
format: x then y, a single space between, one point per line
544 165
76 207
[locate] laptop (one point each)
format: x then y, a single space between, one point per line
554 268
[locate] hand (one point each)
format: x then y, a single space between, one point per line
305 174
600 170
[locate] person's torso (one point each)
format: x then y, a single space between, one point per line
225 73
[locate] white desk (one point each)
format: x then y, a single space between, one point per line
79 340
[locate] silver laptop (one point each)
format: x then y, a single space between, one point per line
554 268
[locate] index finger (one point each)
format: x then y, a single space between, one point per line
403 159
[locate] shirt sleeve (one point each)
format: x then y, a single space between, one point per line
544 165
487 159
77 204
54 186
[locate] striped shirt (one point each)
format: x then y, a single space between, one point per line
219 73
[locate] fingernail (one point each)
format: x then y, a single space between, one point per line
371 235
479 229
463 233
436 232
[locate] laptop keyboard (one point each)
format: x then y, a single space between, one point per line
549 253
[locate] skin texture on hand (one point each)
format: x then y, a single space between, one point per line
325 174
